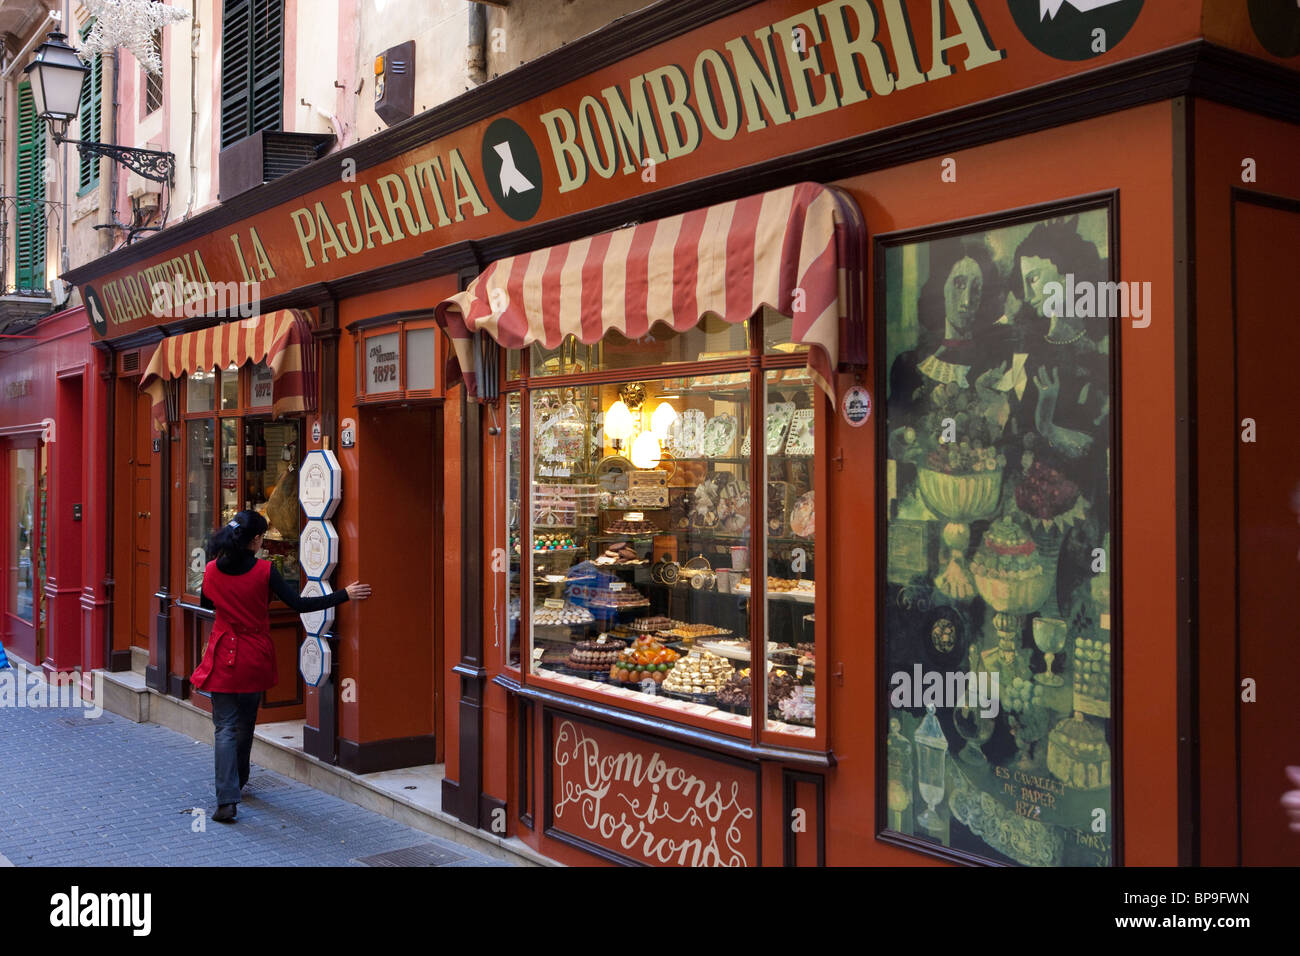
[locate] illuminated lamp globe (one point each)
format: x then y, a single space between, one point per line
646 451
618 421
663 419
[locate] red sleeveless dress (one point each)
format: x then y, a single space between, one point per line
240 658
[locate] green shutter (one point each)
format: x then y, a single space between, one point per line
30 250
252 67
89 119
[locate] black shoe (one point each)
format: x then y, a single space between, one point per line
226 813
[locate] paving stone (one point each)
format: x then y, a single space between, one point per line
94 792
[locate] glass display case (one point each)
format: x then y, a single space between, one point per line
237 458
636 531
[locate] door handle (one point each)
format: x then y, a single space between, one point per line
143 514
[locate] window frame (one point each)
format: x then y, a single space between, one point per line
242 413
152 84
758 363
246 51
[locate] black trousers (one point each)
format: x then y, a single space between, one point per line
233 718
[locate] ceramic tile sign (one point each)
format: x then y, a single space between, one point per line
317 622
320 484
318 549
315 659
857 406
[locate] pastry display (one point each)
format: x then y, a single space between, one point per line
620 553
633 522
594 655
646 659
1077 754
618 598
735 692
651 625
694 631
567 615
698 673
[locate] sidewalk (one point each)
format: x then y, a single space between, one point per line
109 792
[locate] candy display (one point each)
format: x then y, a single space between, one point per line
633 522
698 673
697 630
610 598
594 655
735 692
797 709
649 625
621 553
645 659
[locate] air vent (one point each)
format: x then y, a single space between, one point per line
267 155
130 362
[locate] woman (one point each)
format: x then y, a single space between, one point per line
239 663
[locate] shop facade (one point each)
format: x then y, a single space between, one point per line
55 597
777 435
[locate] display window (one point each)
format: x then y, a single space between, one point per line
23 552
237 458
645 567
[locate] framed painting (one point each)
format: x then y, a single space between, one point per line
998 651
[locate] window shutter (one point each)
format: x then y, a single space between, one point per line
30 247
252 67
268 64
236 60
88 117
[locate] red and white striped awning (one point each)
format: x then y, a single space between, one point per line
800 250
280 339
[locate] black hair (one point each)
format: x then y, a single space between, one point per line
930 308
237 535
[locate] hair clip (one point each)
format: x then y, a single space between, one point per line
234 524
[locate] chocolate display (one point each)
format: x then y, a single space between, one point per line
594 656
699 673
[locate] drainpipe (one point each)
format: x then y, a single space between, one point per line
194 106
476 61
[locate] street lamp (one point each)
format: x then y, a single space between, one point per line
57 75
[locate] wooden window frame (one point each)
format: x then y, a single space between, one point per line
242 413
758 363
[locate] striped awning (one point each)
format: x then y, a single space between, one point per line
800 250
280 339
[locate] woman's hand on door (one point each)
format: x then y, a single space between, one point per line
358 591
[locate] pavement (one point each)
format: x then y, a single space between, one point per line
104 791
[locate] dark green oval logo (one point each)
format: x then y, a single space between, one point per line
513 169
95 310
1277 24
1074 29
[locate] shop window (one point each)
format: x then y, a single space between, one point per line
636 521
23 546
237 458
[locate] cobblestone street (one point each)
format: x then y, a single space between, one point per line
76 791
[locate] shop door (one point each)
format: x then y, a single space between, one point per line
1268 535
141 518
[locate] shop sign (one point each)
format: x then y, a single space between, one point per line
260 386
317 622
742 89
382 354
318 549
315 658
320 484
649 803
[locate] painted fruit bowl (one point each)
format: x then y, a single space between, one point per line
1008 571
960 498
